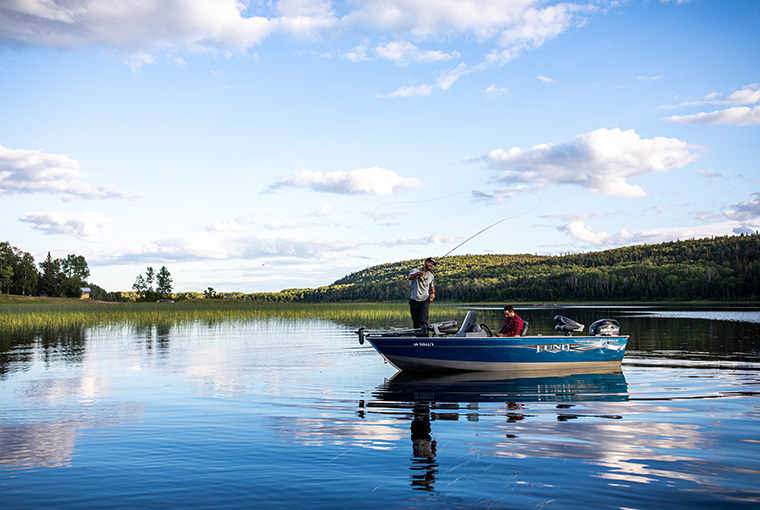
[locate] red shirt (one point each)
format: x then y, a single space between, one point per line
512 326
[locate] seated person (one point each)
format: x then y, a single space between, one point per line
513 324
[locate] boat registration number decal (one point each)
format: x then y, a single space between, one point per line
424 344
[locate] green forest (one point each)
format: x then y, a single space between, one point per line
720 268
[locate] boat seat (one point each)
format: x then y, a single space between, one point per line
566 325
444 328
470 326
524 329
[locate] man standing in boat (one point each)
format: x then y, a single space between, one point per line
513 324
423 292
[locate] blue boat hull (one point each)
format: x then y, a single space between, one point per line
511 354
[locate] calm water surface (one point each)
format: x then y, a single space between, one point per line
295 414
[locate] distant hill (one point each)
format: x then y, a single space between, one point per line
721 268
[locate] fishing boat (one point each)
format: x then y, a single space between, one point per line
473 347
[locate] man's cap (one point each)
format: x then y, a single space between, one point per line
430 259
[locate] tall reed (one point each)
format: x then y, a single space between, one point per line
61 314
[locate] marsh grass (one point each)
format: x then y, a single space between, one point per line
35 315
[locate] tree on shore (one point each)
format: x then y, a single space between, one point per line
48 284
73 275
20 275
143 285
163 282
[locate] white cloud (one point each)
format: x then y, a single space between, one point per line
602 161
411 91
749 94
141 27
545 79
33 171
358 54
306 17
213 246
447 78
403 53
494 92
744 211
146 24
737 115
535 26
88 225
710 174
374 181
580 232
436 239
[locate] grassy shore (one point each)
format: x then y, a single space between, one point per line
36 314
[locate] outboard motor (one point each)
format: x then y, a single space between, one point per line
604 327
567 326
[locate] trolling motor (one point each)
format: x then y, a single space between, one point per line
566 325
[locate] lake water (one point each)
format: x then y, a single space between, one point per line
296 414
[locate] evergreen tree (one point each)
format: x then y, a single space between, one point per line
49 281
163 282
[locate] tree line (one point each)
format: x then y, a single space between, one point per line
66 277
55 277
720 268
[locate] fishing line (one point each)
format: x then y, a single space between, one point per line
497 222
470 192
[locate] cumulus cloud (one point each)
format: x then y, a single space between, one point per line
600 239
580 232
86 226
738 113
602 161
142 28
373 181
34 171
140 25
743 211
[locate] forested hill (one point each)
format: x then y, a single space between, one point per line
717 268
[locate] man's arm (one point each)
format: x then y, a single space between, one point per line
432 292
417 273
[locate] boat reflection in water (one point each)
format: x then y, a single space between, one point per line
424 399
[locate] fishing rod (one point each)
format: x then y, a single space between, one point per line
374 218
494 224
471 237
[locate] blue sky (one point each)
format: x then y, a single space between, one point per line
263 145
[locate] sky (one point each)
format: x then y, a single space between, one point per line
257 146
